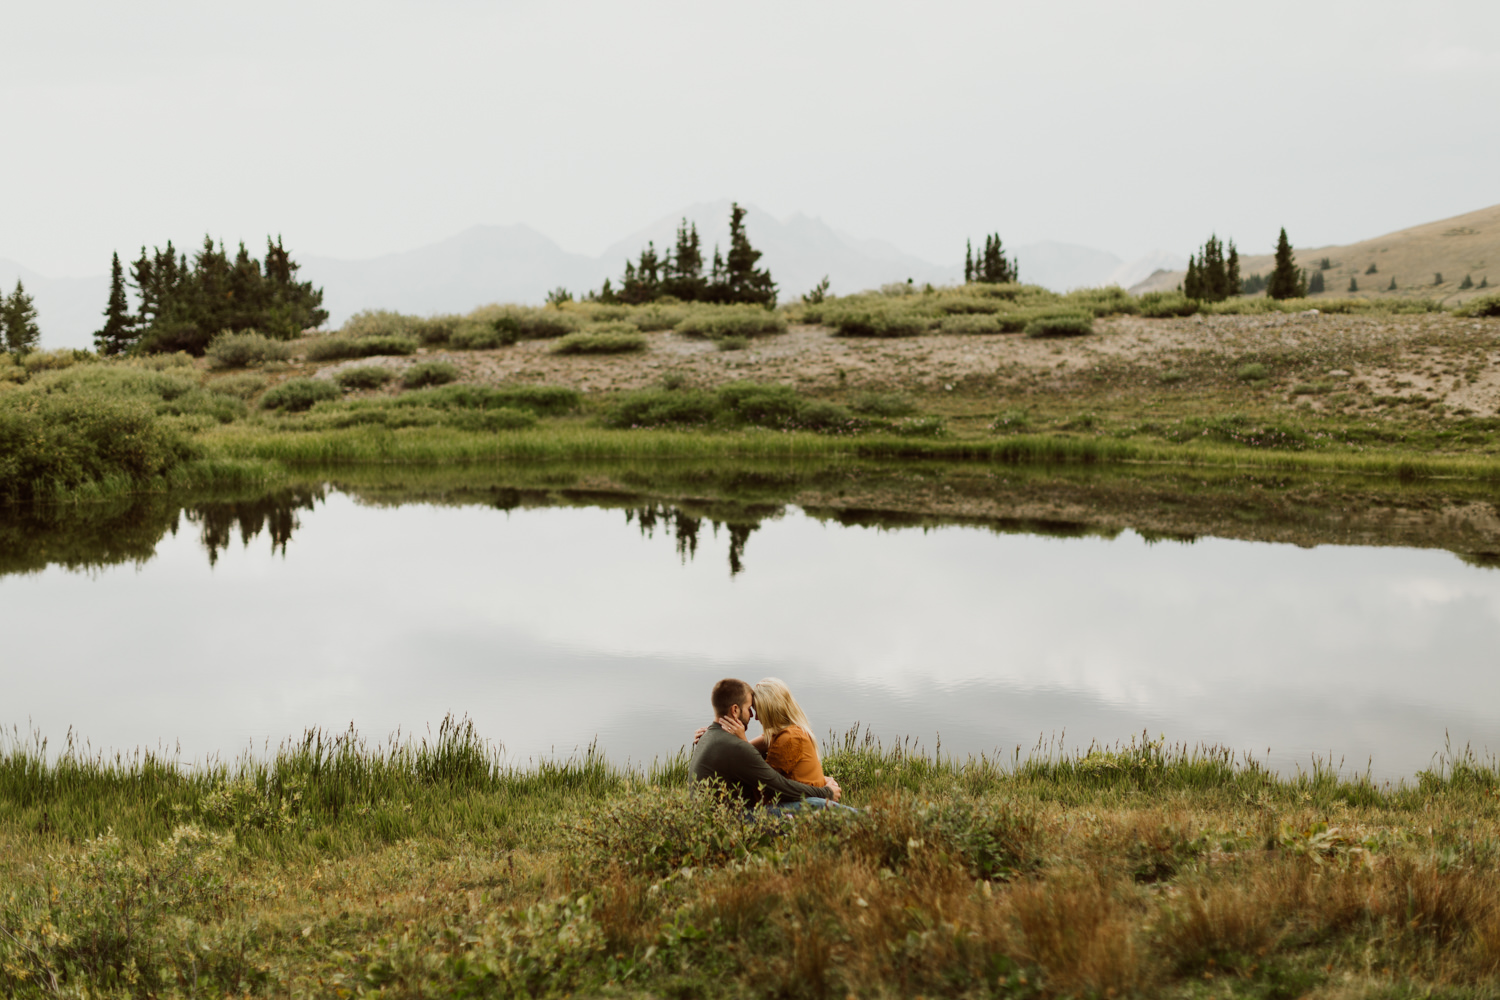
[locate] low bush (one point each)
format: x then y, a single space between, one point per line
55 442
298 394
1252 372
1111 301
877 322
1061 325
245 385
602 338
42 361
364 377
482 335
1485 305
739 404
379 323
11 372
968 305
339 346
998 322
1163 305
241 350
658 316
545 400
718 322
391 415
427 373
734 342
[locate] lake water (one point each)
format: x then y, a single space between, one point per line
555 627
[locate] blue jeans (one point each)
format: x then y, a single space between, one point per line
806 805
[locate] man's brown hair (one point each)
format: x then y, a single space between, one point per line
730 691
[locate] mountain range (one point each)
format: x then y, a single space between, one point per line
515 263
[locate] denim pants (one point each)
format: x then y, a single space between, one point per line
806 805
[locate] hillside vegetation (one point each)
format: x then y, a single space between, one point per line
1464 246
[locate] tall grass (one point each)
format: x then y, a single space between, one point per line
434 866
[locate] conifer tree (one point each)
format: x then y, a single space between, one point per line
991 266
1315 283
1192 284
118 333
683 268
1232 272
740 279
1287 282
1211 276
22 335
1466 284
1353 284
1392 287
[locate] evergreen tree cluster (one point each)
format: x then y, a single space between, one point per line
19 332
183 304
731 278
991 267
1211 275
1316 283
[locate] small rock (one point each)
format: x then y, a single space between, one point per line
1311 312
1338 373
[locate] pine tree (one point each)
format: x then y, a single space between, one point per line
22 335
1192 284
1392 287
1483 282
1315 283
1372 269
683 268
1287 282
118 333
968 261
1353 284
740 280
1466 284
992 266
1232 272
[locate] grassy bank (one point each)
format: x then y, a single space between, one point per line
434 868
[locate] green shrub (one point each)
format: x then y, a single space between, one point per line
1061 325
662 408
428 373
857 321
920 427
484 335
42 361
883 404
53 442
731 321
602 338
339 346
241 350
1252 372
734 342
1011 422
999 322
1484 305
546 400
245 385
967 305
364 377
1162 305
1172 376
379 323
658 316
298 394
1111 301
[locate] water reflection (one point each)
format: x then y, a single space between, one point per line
555 614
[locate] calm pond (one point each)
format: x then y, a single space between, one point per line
234 626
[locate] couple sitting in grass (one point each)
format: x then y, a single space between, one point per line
778 769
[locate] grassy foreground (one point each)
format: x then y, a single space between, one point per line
337 868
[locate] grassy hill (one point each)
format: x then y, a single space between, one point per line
1463 245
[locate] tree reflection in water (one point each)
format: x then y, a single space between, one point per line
684 527
274 513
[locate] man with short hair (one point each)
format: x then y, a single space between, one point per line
730 757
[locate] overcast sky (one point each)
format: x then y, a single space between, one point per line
357 129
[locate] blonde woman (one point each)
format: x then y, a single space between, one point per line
786 737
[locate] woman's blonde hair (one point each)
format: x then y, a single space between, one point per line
778 710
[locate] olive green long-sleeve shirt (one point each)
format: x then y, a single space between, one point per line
725 756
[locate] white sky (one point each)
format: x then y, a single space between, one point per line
362 128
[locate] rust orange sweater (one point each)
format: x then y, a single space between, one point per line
794 754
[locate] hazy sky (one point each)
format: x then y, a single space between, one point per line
361 128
